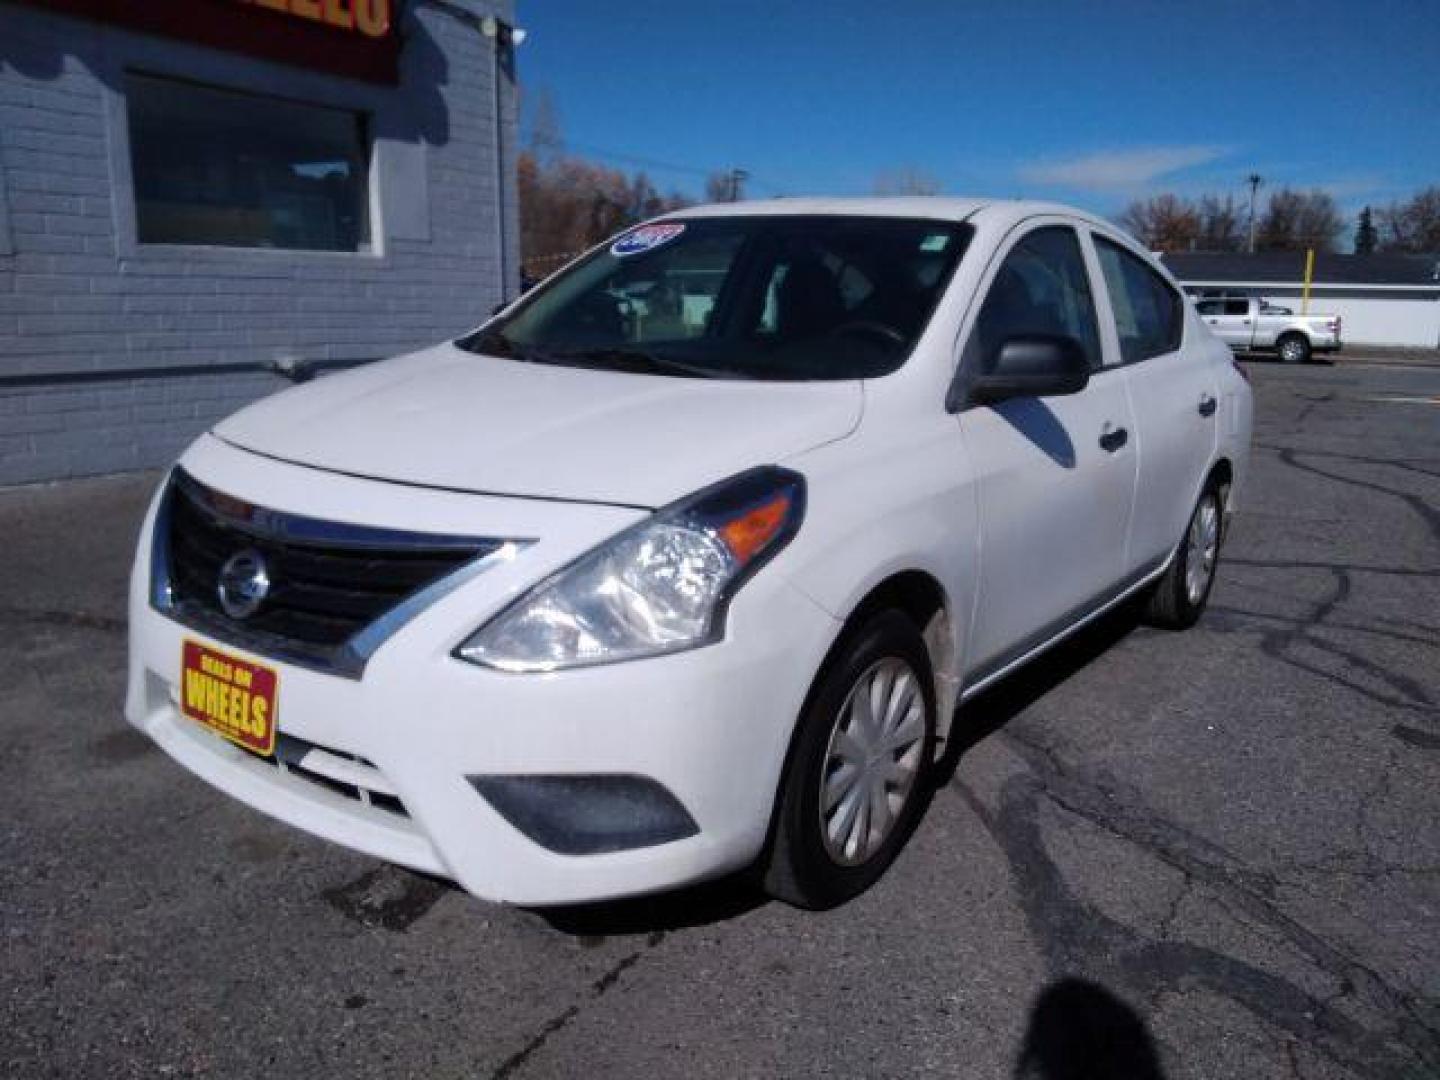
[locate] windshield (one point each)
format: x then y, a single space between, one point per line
765 297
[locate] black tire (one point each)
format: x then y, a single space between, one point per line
1170 604
798 866
1293 348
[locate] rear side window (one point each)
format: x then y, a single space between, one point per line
1041 288
1149 315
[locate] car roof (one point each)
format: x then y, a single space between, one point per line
941 208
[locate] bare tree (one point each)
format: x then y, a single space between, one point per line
1365 235
569 204
545 141
1296 220
717 186
1412 226
1163 223
1221 224
906 180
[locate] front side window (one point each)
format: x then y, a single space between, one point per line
1041 289
220 168
1149 316
763 297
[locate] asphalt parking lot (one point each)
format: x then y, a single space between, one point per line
1221 846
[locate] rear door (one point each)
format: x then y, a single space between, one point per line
1054 476
1174 393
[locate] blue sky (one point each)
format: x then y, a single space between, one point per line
1088 102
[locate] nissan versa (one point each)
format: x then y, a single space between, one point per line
683 563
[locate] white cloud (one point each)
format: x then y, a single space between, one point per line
1352 187
1120 170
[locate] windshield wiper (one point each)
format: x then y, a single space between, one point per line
490 342
643 363
495 343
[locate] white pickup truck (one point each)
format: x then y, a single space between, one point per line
1247 324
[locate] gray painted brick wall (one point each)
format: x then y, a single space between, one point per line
78 294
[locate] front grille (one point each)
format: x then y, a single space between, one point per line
329 583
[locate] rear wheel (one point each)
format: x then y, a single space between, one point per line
1293 348
853 791
1179 596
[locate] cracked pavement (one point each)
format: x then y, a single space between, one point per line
1220 847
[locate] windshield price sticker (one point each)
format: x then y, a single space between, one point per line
646 238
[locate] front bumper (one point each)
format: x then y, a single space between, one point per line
710 726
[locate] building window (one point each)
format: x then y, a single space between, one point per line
221 168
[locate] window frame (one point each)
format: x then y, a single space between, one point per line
391 161
957 395
365 144
1177 296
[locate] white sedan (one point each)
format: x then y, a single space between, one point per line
606 597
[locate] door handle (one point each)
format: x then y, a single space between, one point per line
1207 405
1113 439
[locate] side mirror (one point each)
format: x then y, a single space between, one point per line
1033 365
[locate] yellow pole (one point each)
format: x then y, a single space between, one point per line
1309 275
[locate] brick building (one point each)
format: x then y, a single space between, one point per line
197 196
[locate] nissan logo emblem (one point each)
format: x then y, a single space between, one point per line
244 583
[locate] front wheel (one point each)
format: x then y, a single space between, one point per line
1179 597
854 787
1293 348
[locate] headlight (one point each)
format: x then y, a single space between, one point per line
658 587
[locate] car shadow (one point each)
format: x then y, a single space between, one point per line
1315 359
1035 420
993 708
696 905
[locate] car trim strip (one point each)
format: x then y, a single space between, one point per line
990 673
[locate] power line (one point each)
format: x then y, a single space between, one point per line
655 163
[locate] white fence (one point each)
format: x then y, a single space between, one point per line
1372 315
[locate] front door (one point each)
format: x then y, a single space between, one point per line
1231 322
1055 476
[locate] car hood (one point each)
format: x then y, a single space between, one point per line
448 418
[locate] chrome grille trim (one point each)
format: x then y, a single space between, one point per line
315 539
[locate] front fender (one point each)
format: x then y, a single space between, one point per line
878 507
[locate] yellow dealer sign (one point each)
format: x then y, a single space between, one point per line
369 17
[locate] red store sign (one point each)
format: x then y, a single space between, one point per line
355 38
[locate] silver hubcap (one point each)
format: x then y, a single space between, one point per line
1201 549
872 762
1292 351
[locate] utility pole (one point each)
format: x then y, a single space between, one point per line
1254 180
737 179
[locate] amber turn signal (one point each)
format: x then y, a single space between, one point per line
748 535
